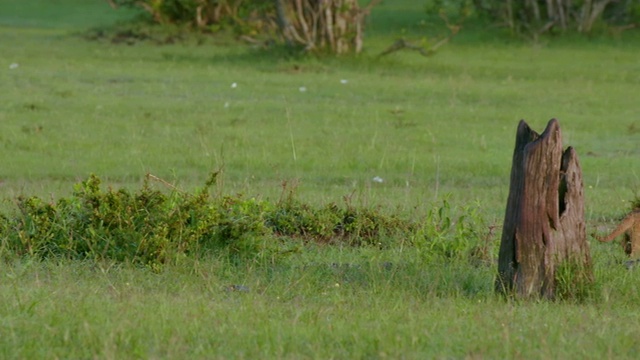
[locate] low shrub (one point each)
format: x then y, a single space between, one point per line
152 227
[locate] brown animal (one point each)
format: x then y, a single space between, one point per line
630 226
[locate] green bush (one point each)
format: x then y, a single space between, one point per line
153 228
296 219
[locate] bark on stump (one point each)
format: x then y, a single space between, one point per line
544 226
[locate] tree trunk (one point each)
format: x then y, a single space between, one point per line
544 225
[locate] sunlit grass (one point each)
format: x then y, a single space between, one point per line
425 126
428 128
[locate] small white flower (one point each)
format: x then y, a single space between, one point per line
344 81
302 89
378 179
13 66
234 85
226 104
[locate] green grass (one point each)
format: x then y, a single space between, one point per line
412 310
446 123
428 126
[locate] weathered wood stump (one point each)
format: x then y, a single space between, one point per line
544 226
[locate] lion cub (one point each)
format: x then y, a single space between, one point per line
630 226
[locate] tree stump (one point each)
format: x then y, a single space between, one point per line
544 250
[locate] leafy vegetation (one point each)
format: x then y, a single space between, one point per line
151 228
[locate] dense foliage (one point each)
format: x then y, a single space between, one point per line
153 228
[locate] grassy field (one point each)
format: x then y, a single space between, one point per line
84 310
431 128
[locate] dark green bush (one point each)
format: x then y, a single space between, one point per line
295 219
